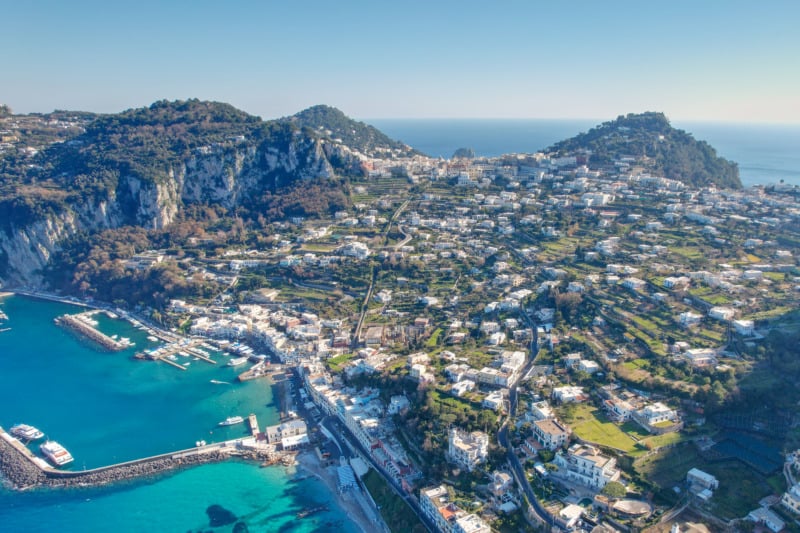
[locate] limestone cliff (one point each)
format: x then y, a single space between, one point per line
142 167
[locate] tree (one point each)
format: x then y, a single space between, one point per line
614 489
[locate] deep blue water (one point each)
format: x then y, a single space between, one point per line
765 153
107 407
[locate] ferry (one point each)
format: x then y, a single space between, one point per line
56 453
236 361
231 421
26 432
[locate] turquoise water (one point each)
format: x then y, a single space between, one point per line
265 499
108 407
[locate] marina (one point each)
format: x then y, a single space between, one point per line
82 324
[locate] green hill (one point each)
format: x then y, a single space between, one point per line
665 150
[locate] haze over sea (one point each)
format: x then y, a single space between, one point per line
766 153
107 408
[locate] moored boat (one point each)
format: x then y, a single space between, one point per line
56 453
26 432
232 420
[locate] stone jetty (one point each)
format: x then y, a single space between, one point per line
78 324
19 468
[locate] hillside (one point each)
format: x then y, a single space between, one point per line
75 173
664 150
332 124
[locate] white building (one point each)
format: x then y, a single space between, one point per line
550 433
467 449
447 516
569 394
791 499
586 465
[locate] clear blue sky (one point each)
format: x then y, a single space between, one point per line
695 60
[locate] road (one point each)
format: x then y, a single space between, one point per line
502 436
368 296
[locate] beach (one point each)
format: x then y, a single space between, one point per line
355 504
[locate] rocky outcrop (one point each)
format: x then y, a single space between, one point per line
27 250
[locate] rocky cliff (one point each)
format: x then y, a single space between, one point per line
144 166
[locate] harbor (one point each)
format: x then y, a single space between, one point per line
169 353
24 470
83 325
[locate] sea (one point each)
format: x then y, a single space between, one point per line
108 407
766 153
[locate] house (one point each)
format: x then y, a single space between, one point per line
586 465
494 400
699 480
619 410
550 433
541 410
467 449
689 318
655 415
569 516
569 394
768 518
590 367
721 313
447 516
501 483
744 327
572 359
701 357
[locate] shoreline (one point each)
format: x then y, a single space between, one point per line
356 512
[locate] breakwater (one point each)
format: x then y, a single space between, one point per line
78 324
22 470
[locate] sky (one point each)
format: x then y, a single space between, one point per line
730 60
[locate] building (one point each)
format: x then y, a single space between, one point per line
655 415
744 327
791 499
586 465
699 480
467 449
448 517
290 434
569 394
768 518
550 433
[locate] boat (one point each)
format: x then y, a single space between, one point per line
232 420
200 443
56 453
236 361
218 382
24 431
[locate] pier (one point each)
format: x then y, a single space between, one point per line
80 324
167 353
253 422
25 470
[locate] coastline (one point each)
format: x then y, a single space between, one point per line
356 508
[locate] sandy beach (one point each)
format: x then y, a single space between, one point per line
356 506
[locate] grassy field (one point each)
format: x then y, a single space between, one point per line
395 511
591 424
668 468
740 487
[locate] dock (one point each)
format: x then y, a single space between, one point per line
80 324
186 347
253 424
259 370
